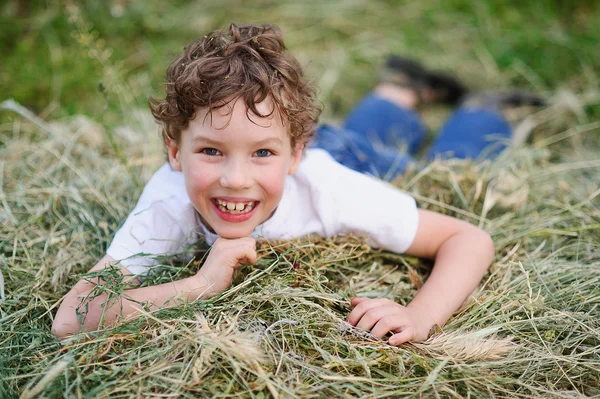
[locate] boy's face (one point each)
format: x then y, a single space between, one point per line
235 167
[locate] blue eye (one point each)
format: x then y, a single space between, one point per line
210 151
263 153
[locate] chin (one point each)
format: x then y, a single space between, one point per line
233 233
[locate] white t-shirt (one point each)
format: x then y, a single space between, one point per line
323 198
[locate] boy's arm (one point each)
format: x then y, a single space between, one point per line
66 321
462 254
214 276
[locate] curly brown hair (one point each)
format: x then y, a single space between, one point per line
248 61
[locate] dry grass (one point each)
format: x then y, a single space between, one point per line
531 330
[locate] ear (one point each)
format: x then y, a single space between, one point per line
297 153
173 152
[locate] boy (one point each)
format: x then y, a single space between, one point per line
237 119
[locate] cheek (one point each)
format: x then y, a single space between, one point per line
273 182
198 179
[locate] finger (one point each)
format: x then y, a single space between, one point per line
232 254
406 335
251 256
228 254
245 255
373 316
252 251
386 324
357 300
249 244
248 241
363 307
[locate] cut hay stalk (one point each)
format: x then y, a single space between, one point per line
48 376
471 346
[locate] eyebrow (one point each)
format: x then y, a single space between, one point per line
208 141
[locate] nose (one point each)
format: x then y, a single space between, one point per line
235 175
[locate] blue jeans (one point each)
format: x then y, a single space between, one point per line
380 138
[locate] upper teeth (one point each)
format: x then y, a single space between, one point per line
231 206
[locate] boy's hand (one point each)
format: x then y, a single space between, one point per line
382 315
225 256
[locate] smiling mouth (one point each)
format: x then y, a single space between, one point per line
235 208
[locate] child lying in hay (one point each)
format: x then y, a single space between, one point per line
236 121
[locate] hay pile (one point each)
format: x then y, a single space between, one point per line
531 330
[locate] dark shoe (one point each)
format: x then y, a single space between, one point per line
430 86
499 99
445 88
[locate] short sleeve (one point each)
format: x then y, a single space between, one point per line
162 223
352 202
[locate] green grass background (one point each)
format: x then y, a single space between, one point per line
543 44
